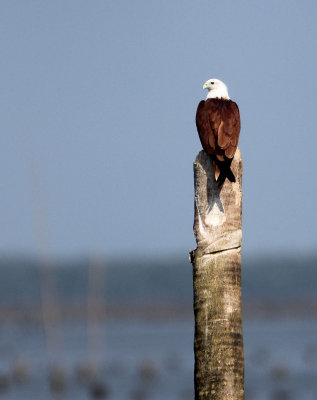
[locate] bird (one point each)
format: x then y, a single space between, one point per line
218 125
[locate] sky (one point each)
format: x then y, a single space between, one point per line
98 135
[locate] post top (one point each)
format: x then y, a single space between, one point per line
217 223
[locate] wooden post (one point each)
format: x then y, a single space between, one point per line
218 344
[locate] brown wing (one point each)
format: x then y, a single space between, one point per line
229 128
208 118
218 125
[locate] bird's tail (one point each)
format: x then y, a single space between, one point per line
222 171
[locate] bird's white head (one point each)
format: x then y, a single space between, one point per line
216 89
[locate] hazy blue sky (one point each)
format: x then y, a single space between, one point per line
98 103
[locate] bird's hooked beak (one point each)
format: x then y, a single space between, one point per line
205 86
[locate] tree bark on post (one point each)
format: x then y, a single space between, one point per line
218 344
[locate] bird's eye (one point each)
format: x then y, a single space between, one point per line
212 83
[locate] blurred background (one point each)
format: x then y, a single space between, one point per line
97 141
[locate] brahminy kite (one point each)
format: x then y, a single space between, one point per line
218 125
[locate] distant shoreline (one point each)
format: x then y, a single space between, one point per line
155 311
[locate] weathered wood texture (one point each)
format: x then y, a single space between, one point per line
219 361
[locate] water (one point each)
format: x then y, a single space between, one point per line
153 360
281 359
